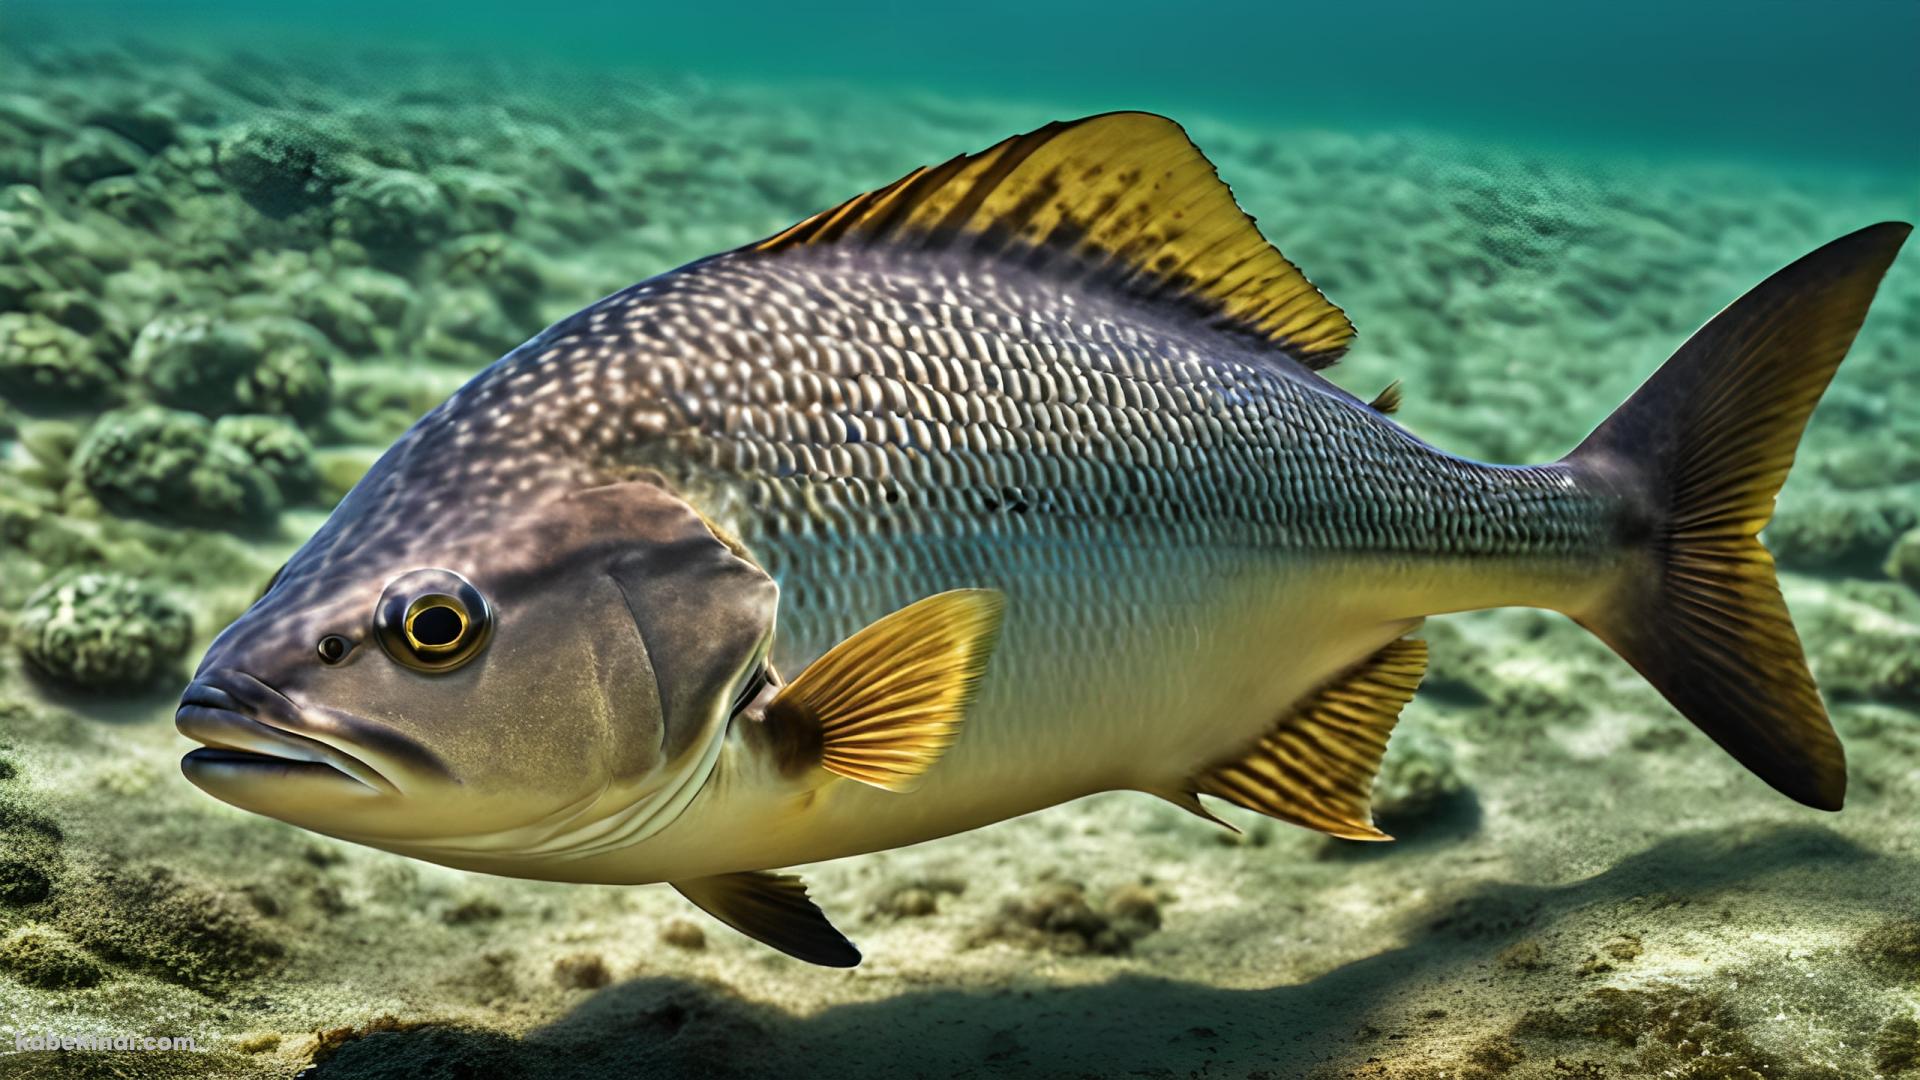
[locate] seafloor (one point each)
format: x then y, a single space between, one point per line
227 282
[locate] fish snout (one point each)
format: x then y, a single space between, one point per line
251 732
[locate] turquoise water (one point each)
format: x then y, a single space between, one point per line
1828 86
244 246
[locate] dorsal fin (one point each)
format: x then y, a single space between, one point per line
1316 767
1126 193
1387 401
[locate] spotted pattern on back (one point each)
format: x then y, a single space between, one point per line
877 425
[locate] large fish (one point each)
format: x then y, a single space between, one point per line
1008 483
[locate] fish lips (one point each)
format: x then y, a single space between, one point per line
251 735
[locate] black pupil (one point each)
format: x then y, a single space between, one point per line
436 626
332 648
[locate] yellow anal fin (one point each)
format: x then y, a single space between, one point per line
884 704
773 909
1316 767
1126 194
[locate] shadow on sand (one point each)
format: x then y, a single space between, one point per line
1129 1026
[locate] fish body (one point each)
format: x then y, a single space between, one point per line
1012 482
1189 536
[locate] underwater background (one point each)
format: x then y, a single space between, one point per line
243 246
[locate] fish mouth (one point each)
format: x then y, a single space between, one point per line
250 732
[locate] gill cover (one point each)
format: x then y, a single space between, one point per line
704 612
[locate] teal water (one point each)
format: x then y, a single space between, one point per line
244 246
1828 85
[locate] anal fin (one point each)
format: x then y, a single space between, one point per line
774 910
1316 767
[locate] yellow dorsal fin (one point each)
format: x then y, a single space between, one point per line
1316 767
884 704
1387 401
1124 193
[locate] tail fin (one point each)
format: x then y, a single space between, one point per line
1705 444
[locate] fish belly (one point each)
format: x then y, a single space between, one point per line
1123 662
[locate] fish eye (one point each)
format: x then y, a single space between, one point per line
432 620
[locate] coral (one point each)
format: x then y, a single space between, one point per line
41 359
267 364
166 924
278 448
166 463
282 167
102 631
46 958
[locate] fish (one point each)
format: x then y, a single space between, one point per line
1011 482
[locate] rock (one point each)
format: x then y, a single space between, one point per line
1837 534
136 200
102 631
281 166
94 154
45 958
498 265
1417 778
684 934
388 296
278 448
482 202
43 360
22 883
395 214
1058 917
267 364
1903 561
1870 665
582 971
31 114
166 463
467 327
152 125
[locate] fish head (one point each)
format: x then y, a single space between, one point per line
499 683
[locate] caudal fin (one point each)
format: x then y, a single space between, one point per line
1704 446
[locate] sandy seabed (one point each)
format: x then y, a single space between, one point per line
227 283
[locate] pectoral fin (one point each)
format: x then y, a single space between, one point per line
883 705
1316 767
772 909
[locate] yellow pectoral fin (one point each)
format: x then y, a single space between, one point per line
1316 767
888 701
